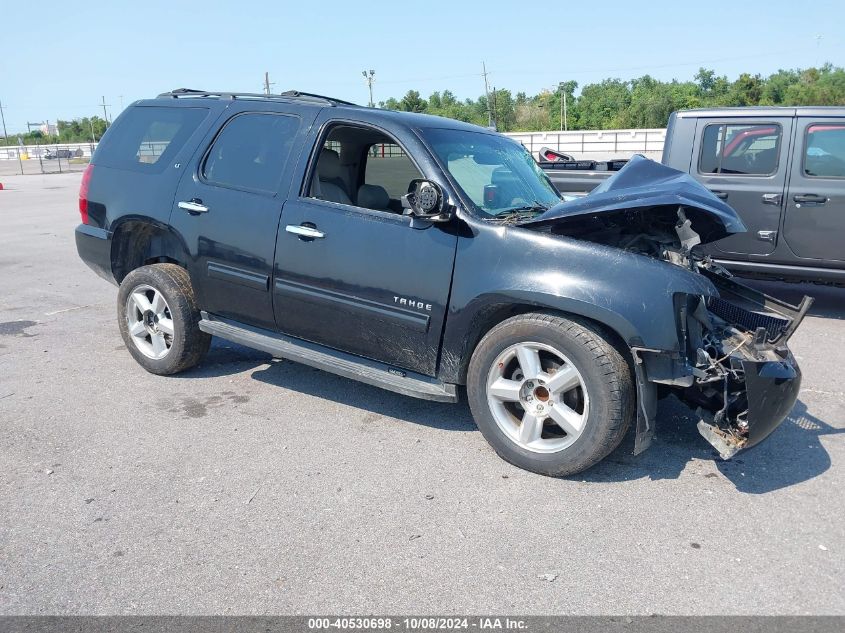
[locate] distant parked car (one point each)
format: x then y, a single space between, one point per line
60 153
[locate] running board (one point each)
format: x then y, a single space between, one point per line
340 363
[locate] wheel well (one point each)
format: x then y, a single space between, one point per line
138 243
490 316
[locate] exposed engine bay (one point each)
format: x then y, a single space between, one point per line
732 364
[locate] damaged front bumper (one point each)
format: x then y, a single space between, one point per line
734 366
767 391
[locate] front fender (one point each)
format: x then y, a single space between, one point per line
499 266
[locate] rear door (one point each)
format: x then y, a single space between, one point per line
228 205
814 225
745 163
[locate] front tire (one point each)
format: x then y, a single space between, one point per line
551 395
159 319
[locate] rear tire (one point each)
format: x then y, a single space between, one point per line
159 319
550 394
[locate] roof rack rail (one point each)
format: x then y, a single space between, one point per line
289 94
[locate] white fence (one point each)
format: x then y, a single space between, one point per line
596 145
34 152
582 144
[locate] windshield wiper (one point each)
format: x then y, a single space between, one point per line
524 212
525 209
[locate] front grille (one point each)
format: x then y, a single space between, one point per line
747 319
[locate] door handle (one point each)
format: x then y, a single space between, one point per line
767 236
309 232
193 206
722 195
772 198
810 197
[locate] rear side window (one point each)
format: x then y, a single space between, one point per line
748 150
146 137
251 152
389 166
824 151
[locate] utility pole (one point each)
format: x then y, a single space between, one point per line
563 123
3 117
6 138
105 114
493 106
487 95
267 83
370 78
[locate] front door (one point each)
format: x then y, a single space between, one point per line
227 210
814 225
352 273
744 162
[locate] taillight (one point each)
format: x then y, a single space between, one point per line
83 193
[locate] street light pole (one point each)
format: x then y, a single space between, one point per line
370 79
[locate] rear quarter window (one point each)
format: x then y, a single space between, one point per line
145 138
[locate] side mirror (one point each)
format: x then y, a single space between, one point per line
425 200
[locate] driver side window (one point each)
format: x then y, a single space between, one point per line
364 168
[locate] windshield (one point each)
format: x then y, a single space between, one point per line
497 174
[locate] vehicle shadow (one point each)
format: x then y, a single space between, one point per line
791 455
350 393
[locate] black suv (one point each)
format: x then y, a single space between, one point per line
421 254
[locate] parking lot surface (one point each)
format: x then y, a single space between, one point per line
250 485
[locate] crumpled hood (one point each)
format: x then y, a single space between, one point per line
644 183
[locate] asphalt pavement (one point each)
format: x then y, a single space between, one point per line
250 485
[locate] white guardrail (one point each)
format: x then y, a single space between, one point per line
581 144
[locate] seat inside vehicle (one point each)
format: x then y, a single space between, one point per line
362 167
373 197
329 183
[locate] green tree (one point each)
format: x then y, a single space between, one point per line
412 102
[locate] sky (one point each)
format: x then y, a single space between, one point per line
59 59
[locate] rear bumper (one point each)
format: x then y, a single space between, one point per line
94 247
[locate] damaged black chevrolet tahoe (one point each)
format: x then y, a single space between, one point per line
421 254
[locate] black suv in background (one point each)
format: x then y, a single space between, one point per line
423 254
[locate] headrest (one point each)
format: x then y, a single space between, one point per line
329 164
373 197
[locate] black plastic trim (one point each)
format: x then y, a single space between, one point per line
238 276
407 318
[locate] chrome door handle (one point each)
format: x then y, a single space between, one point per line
193 206
304 231
772 198
767 236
